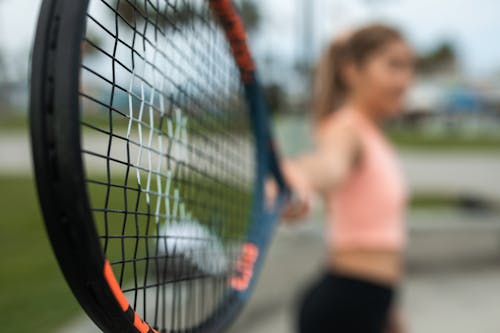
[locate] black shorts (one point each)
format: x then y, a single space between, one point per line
342 304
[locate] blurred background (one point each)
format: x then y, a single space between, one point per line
448 137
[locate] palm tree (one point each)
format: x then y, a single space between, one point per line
251 14
3 81
135 11
442 58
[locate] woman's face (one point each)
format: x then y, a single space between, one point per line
382 81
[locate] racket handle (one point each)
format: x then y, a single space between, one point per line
293 197
297 206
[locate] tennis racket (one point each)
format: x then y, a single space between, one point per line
151 145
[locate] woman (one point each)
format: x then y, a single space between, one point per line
361 81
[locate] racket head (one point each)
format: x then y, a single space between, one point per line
62 173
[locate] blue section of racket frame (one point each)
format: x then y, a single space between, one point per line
265 216
264 219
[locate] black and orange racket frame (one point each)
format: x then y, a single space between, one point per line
60 178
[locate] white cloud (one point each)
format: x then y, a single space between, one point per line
17 23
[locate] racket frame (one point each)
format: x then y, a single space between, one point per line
60 174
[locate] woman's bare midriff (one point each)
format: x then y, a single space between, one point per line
379 266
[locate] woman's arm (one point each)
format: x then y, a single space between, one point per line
331 162
321 170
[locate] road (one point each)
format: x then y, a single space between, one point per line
459 172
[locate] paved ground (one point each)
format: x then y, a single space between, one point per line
452 172
460 298
445 303
15 153
453 284
473 173
445 292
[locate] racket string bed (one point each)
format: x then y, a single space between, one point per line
163 114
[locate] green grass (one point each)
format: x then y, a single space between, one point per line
405 138
13 122
293 133
34 296
411 139
436 201
433 201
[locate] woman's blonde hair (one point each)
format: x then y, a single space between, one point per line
330 88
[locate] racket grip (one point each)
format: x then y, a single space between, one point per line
298 199
293 197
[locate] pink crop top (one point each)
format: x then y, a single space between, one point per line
367 211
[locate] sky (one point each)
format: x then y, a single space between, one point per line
474 26
17 26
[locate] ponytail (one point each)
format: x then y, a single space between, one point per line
329 88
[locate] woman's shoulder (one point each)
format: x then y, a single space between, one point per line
339 123
338 133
